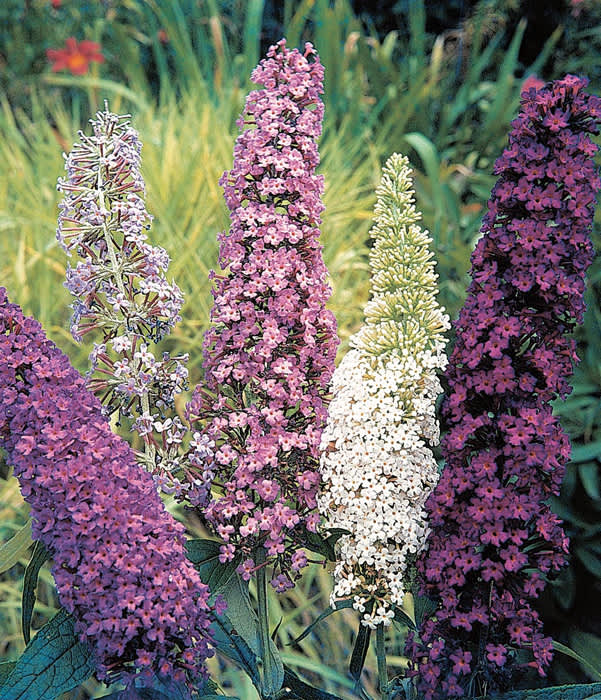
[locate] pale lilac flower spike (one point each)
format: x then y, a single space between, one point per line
269 355
119 559
122 295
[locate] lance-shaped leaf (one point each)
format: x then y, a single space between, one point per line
30 581
15 548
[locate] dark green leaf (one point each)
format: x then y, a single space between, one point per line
573 654
15 548
564 588
589 560
54 662
359 651
584 453
315 542
144 694
564 692
240 612
297 688
274 634
340 605
6 668
423 608
204 554
589 475
234 647
588 648
30 582
244 621
401 617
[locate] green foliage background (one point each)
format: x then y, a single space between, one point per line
445 100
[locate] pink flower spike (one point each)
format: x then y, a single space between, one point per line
272 343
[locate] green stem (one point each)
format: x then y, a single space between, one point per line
264 638
381 655
108 239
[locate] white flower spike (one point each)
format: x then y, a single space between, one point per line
376 463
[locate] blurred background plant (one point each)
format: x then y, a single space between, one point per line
439 81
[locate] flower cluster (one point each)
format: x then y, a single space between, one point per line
121 289
119 557
495 540
269 354
376 464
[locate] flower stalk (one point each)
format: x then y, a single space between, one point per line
381 657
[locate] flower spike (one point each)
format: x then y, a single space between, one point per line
269 355
494 537
119 557
376 464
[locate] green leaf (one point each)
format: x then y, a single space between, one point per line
13 550
204 554
300 689
401 617
588 648
431 161
423 608
584 453
54 662
160 687
236 631
315 542
340 605
240 612
234 647
359 651
589 560
6 668
586 691
589 475
244 622
30 582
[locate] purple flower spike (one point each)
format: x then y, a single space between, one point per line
119 558
269 354
495 540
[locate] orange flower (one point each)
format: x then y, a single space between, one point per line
75 57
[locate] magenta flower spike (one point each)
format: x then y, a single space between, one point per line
119 557
269 355
495 540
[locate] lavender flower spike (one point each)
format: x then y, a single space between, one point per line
269 355
495 540
119 558
376 463
121 289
